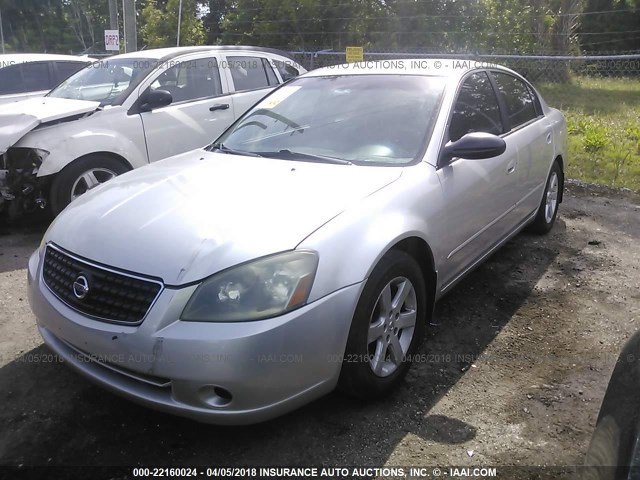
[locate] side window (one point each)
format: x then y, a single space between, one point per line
271 76
35 77
517 98
476 109
287 71
66 69
536 101
10 80
191 80
248 73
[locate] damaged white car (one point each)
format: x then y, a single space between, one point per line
125 112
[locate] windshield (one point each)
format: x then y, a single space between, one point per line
103 81
369 119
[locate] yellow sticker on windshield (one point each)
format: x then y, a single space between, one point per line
278 96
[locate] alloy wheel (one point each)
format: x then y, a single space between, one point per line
90 179
392 325
552 198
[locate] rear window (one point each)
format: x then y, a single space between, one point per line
10 80
248 73
271 76
517 97
286 70
35 77
66 69
24 77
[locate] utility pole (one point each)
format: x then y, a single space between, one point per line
113 14
1 32
179 22
130 34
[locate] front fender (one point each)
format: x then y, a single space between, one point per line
66 142
352 244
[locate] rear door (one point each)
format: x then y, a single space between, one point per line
201 109
531 134
251 76
479 194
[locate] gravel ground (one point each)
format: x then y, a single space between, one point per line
513 371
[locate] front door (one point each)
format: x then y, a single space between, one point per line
479 195
201 109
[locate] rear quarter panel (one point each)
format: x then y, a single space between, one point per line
559 125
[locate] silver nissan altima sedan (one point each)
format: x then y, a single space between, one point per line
306 247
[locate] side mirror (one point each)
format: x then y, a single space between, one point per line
474 146
154 99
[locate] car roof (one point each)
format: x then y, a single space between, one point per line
12 58
164 54
436 67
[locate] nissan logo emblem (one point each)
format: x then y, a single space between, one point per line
81 287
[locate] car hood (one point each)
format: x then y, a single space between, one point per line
187 217
19 118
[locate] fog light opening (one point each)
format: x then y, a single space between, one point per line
223 393
215 396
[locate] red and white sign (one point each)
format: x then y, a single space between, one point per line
112 40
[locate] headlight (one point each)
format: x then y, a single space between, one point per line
261 289
21 158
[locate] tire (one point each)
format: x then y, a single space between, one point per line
365 373
548 210
70 182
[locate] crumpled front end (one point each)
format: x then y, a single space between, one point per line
21 190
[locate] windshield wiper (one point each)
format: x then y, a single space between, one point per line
286 154
224 149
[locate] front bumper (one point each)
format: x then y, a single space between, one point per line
268 367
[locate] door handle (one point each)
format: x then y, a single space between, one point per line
219 106
511 167
549 137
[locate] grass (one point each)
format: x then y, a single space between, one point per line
603 121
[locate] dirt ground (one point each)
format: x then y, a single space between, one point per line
513 373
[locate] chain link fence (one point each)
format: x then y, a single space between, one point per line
545 68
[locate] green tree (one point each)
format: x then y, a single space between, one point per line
212 20
160 25
601 32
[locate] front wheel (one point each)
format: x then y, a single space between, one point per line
548 210
79 177
387 328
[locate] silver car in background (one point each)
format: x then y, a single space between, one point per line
305 249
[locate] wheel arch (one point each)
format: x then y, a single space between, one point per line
560 162
59 187
421 252
125 163
70 145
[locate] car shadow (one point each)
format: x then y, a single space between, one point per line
52 416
